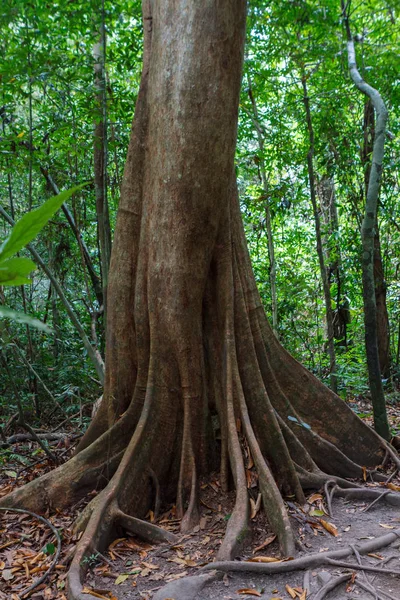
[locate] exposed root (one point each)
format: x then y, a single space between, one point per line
358 567
148 532
317 479
369 588
329 495
237 527
331 585
187 588
361 493
306 562
273 503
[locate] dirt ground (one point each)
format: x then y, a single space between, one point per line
130 569
168 563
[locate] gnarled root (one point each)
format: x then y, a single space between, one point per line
310 561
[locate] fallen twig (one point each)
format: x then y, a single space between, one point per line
385 493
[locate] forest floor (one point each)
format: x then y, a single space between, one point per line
131 569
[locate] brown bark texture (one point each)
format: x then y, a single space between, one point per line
187 336
382 316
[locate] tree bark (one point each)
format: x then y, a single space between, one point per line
187 337
382 317
100 158
368 229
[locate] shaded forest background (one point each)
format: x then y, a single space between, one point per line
66 106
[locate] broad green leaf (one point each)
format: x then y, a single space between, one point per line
14 271
8 313
27 228
49 548
12 279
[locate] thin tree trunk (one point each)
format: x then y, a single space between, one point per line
97 287
382 317
318 235
368 234
100 158
330 241
268 226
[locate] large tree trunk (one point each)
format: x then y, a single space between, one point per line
187 337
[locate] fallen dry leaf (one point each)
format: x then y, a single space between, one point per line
386 526
290 591
264 559
267 542
330 527
314 498
175 576
255 506
249 592
121 578
116 542
150 565
395 488
99 593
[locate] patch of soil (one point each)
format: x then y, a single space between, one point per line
145 570
131 569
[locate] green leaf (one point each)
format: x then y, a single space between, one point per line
27 228
12 474
49 548
8 313
14 271
121 578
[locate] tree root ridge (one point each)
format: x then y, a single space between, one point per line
331 585
187 588
308 562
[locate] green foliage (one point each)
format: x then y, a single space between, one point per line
48 109
14 271
27 228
